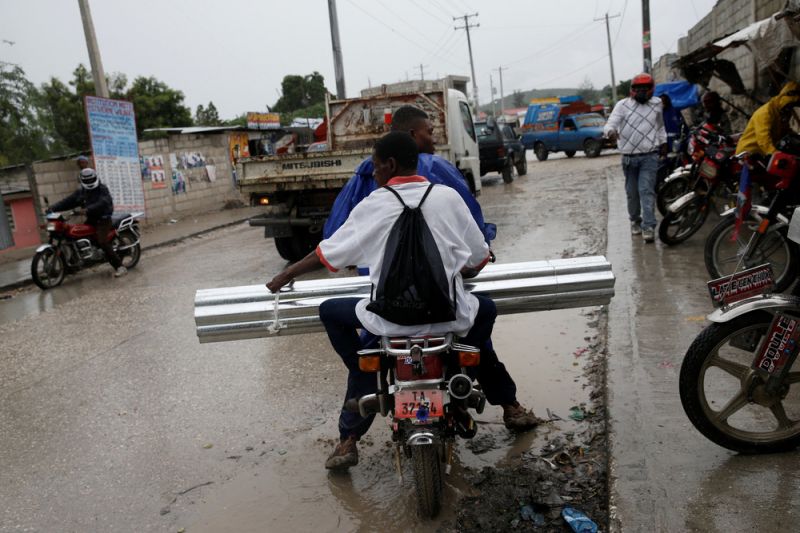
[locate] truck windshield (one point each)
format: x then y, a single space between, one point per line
591 121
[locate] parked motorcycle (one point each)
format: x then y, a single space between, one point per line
72 247
423 385
684 173
736 380
762 235
715 174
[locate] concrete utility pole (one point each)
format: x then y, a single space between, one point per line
422 71
648 58
98 74
492 91
611 59
338 65
466 27
502 94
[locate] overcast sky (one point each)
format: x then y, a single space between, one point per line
235 52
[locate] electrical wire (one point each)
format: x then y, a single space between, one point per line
433 15
401 19
443 10
621 20
540 84
553 45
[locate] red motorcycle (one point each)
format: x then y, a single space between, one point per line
423 385
72 247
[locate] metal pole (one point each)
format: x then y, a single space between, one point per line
611 58
466 27
99 76
491 91
502 94
338 65
648 58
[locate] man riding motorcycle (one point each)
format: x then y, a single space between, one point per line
96 200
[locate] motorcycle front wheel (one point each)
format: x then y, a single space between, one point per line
722 255
678 226
427 479
726 399
48 269
671 191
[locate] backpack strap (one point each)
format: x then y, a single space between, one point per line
424 196
396 194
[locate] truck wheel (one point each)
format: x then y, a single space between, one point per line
508 171
570 153
297 246
541 151
522 165
592 147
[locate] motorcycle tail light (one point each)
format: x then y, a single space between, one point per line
369 363
433 365
469 358
783 166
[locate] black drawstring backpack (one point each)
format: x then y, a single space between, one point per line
413 288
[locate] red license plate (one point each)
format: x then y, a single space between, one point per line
780 343
744 284
419 404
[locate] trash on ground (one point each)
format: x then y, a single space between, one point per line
579 522
577 414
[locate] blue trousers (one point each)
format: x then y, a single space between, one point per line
640 184
338 315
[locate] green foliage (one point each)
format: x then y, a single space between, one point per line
312 111
518 99
207 116
587 91
301 92
23 137
157 105
240 120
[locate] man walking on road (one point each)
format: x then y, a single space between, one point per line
638 123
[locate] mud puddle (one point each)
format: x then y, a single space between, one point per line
546 353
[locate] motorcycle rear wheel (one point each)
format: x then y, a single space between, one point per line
722 255
48 269
129 257
427 479
724 397
678 226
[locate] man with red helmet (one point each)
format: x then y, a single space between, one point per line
638 124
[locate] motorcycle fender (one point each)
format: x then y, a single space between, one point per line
774 302
680 173
43 247
679 204
760 209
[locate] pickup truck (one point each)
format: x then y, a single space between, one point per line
568 134
500 149
298 189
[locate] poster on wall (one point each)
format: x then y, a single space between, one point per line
263 121
239 146
187 160
112 132
153 170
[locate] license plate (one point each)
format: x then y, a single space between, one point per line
779 345
418 404
744 284
708 169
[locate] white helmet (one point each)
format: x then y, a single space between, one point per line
89 179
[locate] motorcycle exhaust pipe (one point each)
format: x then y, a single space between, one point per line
477 401
460 386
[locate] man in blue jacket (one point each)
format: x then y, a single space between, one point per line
436 169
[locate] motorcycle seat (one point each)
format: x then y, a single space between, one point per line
116 218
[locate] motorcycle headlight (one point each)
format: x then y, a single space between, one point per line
51 226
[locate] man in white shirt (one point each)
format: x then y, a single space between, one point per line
638 123
362 239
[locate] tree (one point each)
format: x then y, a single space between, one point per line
64 108
157 105
207 116
298 92
23 134
518 99
587 91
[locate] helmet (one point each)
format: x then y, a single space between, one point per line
89 179
643 79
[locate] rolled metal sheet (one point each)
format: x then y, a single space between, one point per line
248 312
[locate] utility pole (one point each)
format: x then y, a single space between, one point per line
422 71
338 65
611 59
648 58
466 27
492 91
502 95
99 76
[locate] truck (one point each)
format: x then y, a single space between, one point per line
500 149
297 190
566 125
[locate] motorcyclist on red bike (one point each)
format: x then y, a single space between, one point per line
96 200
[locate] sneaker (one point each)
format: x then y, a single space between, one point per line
636 228
120 271
518 418
649 235
344 455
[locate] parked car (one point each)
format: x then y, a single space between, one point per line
569 134
500 149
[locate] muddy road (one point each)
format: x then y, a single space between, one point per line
114 417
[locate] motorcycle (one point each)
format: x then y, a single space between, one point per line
424 387
684 168
715 174
762 236
72 247
737 377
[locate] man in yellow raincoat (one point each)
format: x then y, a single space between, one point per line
770 122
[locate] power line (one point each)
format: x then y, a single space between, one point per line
435 16
572 71
401 19
443 10
553 45
621 20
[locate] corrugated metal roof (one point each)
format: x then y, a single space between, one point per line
197 129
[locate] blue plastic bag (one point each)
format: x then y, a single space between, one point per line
579 522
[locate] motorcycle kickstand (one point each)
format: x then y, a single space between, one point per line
449 453
398 463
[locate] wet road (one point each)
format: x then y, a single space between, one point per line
114 417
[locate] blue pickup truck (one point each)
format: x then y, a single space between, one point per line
551 129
